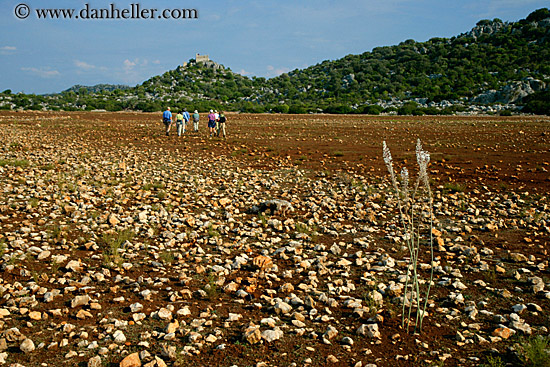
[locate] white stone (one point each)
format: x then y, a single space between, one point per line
27 346
272 335
119 337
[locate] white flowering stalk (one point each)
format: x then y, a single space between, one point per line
389 163
411 208
405 184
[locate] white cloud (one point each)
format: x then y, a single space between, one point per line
244 72
83 65
42 72
273 71
8 50
134 70
129 65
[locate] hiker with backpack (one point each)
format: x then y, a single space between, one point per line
196 118
167 120
221 124
179 124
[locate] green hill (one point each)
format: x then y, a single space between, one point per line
491 56
96 88
496 66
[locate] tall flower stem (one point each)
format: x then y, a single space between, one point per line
412 225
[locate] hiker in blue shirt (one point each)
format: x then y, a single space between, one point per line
167 120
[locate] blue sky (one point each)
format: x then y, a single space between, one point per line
252 37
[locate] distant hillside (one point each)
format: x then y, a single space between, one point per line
196 85
98 88
497 67
494 62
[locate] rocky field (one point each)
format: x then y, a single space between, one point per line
120 246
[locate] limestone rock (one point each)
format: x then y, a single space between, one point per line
252 334
27 346
131 360
370 331
80 301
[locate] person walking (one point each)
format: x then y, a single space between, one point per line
196 118
221 124
217 116
179 124
167 120
212 123
186 118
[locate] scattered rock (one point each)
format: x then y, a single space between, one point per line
252 334
27 346
80 301
131 360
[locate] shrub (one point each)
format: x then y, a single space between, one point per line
338 109
408 108
537 15
505 113
431 111
281 108
535 351
537 103
297 109
372 110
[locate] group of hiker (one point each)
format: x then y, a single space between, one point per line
216 122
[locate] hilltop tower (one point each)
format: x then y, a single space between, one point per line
201 58
204 60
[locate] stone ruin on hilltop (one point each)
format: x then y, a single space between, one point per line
203 59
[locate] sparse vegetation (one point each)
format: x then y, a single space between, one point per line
3 247
263 219
167 257
453 187
211 288
212 232
112 243
47 167
535 351
54 266
14 162
493 362
55 232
